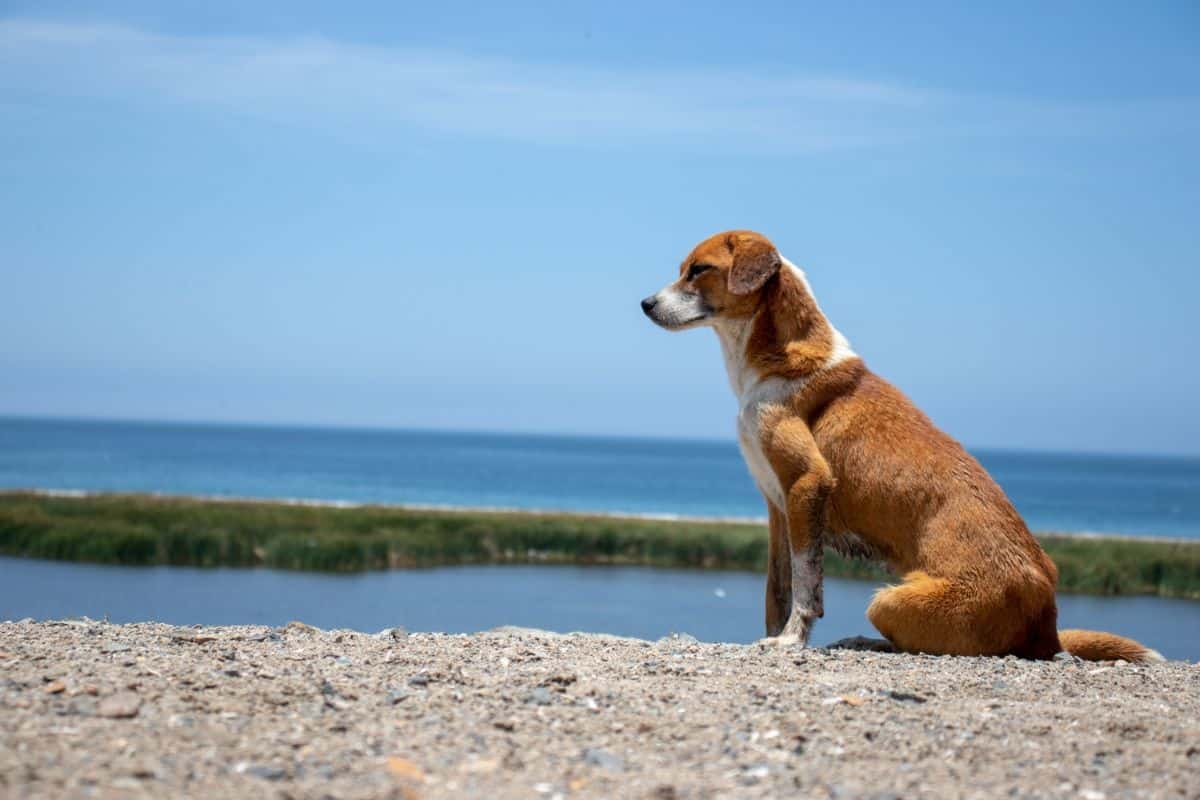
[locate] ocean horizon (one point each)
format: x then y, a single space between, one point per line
1083 493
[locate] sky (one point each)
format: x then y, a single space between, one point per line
443 215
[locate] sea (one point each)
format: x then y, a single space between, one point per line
1066 492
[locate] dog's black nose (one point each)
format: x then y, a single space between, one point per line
649 303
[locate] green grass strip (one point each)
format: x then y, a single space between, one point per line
143 530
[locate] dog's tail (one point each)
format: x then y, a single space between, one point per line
1097 646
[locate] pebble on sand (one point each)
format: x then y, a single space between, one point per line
604 759
121 705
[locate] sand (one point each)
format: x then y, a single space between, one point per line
89 709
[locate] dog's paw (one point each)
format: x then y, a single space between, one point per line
782 640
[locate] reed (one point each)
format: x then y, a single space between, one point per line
144 530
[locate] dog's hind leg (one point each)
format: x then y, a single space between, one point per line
923 615
926 614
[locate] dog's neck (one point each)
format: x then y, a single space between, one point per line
788 337
734 335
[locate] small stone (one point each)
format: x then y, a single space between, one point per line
404 769
142 770
678 638
114 647
392 634
263 771
480 766
505 725
906 697
756 773
561 679
121 705
541 696
396 696
603 759
344 661
54 687
335 700
418 680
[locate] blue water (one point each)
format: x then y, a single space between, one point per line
628 601
1064 492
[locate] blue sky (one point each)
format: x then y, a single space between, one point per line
443 215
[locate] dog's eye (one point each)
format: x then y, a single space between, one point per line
697 269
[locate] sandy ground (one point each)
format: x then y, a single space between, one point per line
89 709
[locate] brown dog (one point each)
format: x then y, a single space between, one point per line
844 459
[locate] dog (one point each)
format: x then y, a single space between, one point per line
844 459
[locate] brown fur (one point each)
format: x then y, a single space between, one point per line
859 463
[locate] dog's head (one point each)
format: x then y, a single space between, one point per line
721 278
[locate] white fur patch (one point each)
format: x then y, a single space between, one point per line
841 346
755 396
806 597
757 400
677 311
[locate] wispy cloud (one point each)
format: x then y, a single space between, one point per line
384 92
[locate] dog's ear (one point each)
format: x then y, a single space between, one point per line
755 260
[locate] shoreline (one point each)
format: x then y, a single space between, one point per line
153 710
646 516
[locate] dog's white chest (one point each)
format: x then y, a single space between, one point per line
755 395
750 439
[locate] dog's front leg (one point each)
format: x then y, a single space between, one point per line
779 572
805 522
806 482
